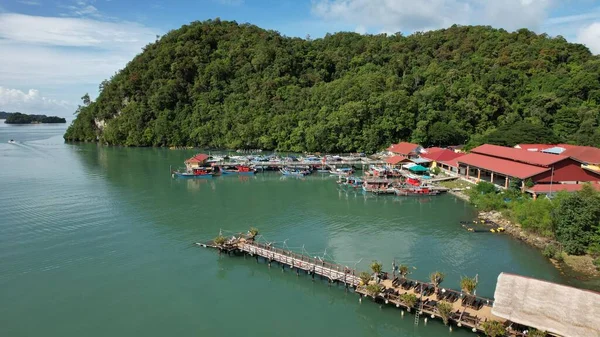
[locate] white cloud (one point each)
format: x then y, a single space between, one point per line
65 56
32 102
590 36
73 32
409 15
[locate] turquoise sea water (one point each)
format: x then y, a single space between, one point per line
98 241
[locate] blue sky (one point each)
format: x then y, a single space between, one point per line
54 51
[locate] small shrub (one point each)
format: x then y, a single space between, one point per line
550 251
597 263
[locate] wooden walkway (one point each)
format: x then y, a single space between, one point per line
358 163
333 272
464 312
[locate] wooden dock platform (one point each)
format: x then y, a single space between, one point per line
464 313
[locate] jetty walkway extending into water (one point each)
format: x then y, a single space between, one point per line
468 311
279 163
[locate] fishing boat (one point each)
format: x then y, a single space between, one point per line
243 170
12 141
294 172
345 171
194 173
415 191
355 182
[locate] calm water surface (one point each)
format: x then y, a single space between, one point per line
98 241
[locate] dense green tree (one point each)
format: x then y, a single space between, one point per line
222 84
577 220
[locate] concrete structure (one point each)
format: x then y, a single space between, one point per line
501 165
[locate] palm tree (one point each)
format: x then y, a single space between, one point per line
219 240
376 268
403 269
373 289
364 277
436 278
444 310
493 329
253 232
468 284
409 300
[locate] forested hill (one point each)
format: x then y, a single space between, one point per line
226 85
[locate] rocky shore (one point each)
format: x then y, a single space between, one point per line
580 264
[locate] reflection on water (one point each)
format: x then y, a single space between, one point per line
107 229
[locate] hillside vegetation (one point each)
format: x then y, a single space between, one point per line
226 85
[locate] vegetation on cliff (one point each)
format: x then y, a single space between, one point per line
226 85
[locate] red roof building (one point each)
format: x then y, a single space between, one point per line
396 160
551 188
584 154
196 160
405 149
500 164
441 155
533 147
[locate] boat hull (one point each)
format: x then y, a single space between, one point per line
191 175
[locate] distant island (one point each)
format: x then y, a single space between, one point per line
20 118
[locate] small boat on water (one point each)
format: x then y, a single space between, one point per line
239 170
415 191
345 171
294 172
194 173
12 141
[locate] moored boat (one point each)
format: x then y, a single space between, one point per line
294 172
415 191
194 173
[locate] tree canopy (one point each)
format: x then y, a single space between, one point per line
221 84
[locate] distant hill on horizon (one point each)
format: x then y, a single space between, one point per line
21 118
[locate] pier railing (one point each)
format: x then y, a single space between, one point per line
334 272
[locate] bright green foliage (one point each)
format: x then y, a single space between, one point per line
577 220
220 240
221 84
534 215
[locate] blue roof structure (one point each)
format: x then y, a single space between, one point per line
554 150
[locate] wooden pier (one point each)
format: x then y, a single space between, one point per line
468 310
279 163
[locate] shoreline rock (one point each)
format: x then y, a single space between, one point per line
579 264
